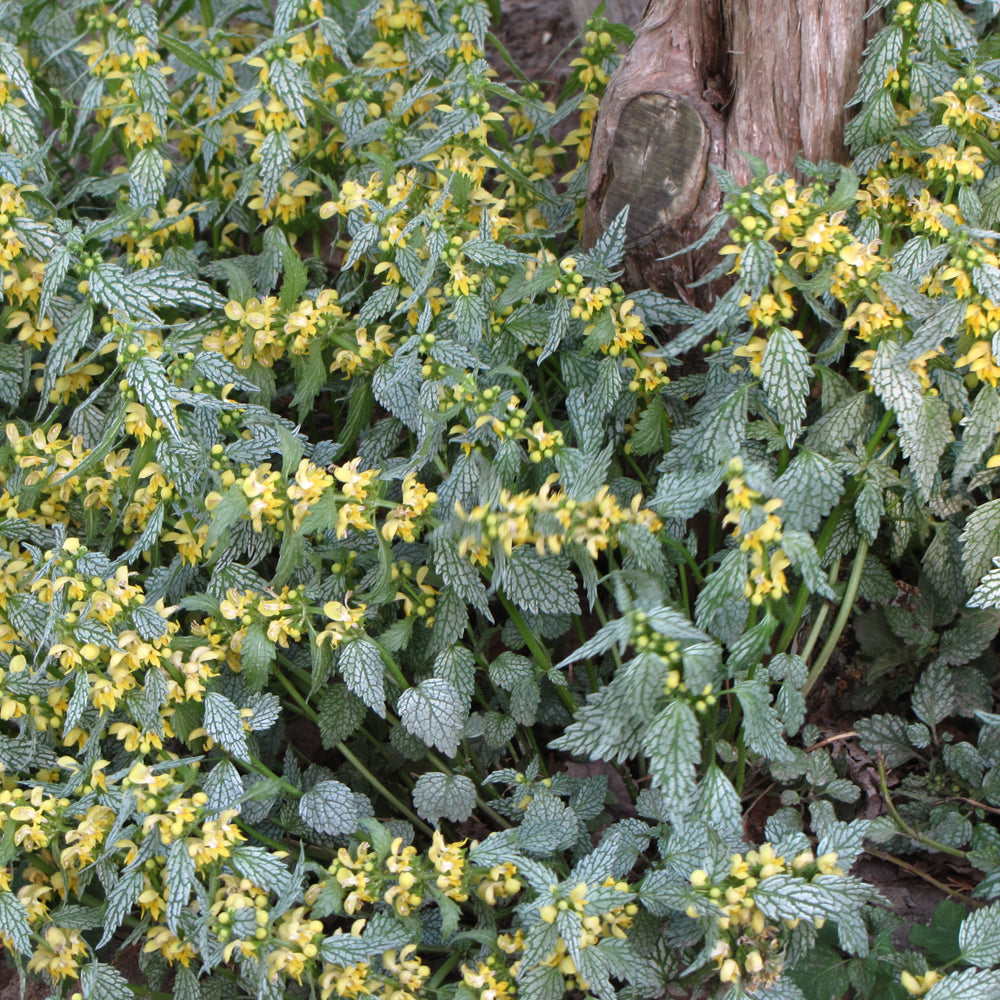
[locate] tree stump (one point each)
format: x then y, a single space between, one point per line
704 81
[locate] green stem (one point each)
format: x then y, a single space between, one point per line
846 606
304 707
263 838
884 424
538 651
355 762
822 541
741 765
310 713
286 786
821 617
446 966
905 827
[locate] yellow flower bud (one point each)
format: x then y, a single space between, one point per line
730 971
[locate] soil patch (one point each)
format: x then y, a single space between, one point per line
539 35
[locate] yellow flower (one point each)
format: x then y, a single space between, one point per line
917 986
218 837
173 949
57 955
982 364
449 862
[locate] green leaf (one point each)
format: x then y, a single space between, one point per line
844 194
809 488
340 714
329 807
885 734
154 390
257 655
721 607
73 335
881 56
361 666
548 826
540 584
940 940
987 594
761 728
823 972
786 373
434 712
923 421
180 881
981 541
295 280
672 743
104 982
969 984
934 696
979 431
189 56
799 548
120 900
451 796
224 723
756 267
147 178
14 922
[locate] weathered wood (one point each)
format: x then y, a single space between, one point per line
657 165
704 82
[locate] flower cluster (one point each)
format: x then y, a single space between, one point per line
757 525
550 520
749 947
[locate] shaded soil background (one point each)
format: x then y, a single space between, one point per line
540 36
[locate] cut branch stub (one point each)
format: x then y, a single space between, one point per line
704 82
657 166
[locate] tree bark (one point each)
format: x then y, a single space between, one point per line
704 81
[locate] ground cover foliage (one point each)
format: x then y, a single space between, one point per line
345 498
